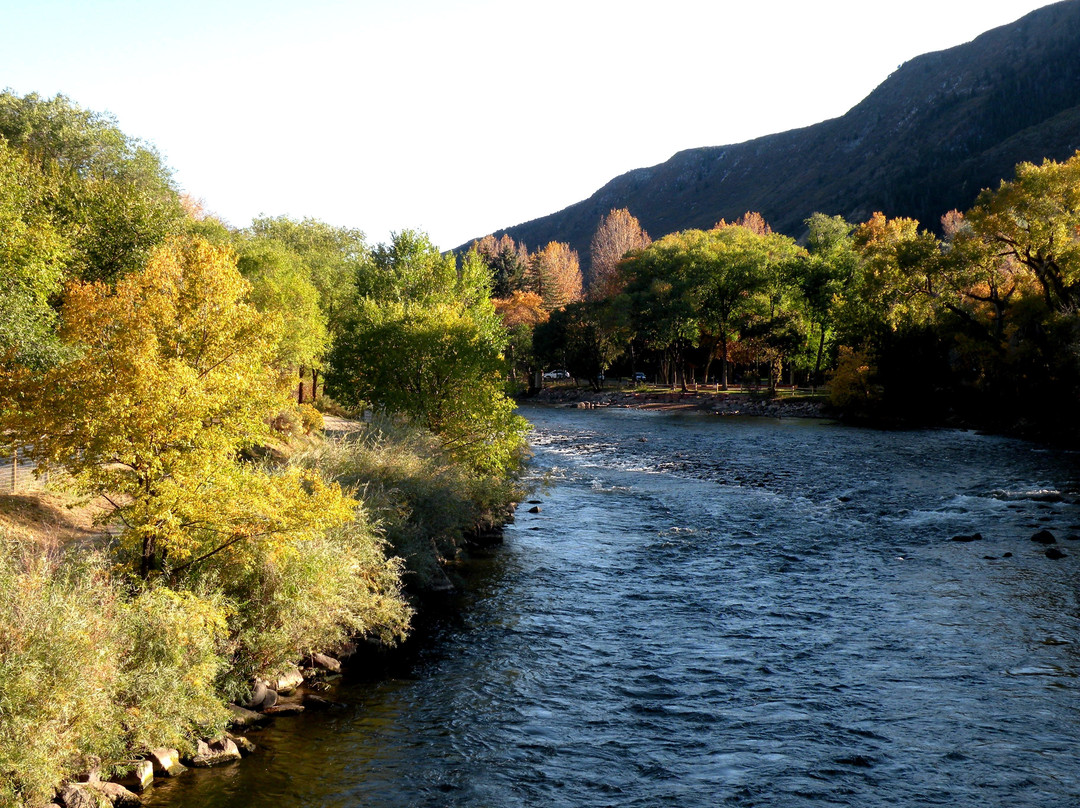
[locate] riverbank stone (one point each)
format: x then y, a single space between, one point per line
78 797
243 745
140 778
166 762
325 662
244 718
214 753
288 681
91 795
262 696
1044 537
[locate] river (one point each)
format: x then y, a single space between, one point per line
726 611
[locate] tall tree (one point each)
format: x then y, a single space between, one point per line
423 340
618 234
113 197
825 275
170 379
555 274
1035 220
33 256
507 262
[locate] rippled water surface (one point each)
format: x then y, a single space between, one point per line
729 612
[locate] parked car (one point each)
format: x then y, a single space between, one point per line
553 375
639 376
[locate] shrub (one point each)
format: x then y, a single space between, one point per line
309 597
422 500
89 675
311 419
59 664
172 659
852 386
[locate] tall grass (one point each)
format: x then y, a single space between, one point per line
90 674
423 501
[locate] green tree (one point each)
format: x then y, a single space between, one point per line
33 256
111 196
826 275
660 292
424 340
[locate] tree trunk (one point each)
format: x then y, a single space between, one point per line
817 365
723 362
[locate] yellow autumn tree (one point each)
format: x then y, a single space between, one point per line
554 273
619 233
171 378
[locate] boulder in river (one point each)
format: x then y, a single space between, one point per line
1044 537
285 709
534 509
1054 553
140 777
243 745
972 537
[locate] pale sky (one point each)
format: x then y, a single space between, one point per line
464 116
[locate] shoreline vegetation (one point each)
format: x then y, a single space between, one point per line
169 375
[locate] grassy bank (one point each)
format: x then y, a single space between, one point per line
98 667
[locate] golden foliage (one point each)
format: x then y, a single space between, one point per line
556 275
521 308
618 234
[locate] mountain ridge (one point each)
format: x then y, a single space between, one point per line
937 130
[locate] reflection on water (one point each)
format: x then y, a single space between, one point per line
729 611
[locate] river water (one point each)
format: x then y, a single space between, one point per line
723 611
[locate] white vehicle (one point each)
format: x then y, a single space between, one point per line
553 375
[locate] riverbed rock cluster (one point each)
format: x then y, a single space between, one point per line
1043 537
718 403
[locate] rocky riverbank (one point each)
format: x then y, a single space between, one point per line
719 403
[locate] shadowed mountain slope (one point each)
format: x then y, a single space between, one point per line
928 139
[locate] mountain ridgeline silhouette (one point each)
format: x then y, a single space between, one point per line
938 130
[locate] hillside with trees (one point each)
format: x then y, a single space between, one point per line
941 128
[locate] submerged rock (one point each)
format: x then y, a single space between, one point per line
972 537
1044 537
